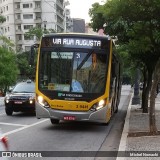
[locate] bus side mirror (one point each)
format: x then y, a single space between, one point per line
32 54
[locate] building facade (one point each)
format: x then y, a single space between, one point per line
69 21
78 25
21 15
89 30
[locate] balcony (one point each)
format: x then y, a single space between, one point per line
17 1
37 10
60 15
59 4
19 42
18 31
18 10
18 21
38 20
60 25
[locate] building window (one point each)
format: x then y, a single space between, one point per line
27 48
38 25
19 28
18 16
7 8
37 5
25 5
26 37
17 6
19 37
28 16
26 27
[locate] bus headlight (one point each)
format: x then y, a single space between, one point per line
41 101
98 105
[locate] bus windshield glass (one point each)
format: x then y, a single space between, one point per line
73 71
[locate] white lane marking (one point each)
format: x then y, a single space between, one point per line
123 141
25 127
12 124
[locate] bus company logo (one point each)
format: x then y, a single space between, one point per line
61 94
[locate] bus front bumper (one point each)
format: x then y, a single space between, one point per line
91 116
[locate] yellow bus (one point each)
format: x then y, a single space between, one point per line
78 78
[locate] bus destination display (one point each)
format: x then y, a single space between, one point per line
71 42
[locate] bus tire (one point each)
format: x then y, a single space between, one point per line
116 110
54 121
105 124
117 103
9 111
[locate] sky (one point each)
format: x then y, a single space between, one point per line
80 8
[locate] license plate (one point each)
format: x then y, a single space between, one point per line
18 102
69 118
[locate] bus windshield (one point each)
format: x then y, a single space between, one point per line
73 71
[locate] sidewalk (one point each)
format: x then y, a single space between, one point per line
136 121
1 101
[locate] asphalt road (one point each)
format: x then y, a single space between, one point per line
26 133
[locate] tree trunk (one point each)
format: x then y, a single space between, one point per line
152 117
145 94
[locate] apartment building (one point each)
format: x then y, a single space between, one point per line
69 21
21 15
78 25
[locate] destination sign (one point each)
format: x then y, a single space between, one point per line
73 42
76 42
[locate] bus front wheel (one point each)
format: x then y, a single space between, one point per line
54 121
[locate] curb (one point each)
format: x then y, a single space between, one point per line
123 141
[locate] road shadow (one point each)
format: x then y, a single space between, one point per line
24 114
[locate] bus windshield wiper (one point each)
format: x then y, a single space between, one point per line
84 60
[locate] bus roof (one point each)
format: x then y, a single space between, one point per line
83 35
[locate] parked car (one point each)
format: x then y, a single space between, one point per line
20 98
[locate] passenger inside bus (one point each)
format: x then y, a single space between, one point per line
97 73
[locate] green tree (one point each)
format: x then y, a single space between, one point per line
26 71
38 32
136 23
2 19
8 68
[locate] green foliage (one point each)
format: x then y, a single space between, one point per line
38 32
96 14
26 71
6 42
8 68
136 23
2 19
